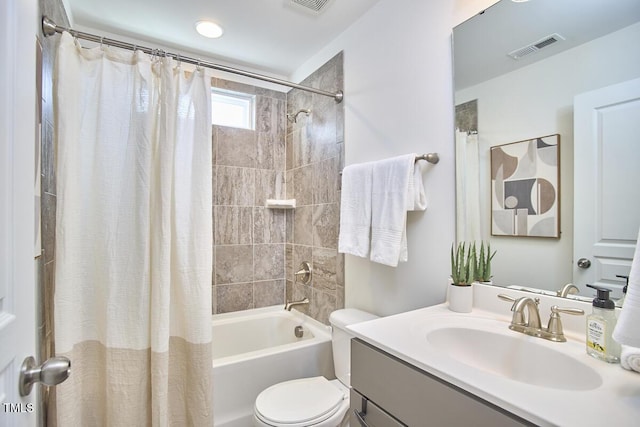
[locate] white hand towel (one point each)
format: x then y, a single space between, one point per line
355 210
393 194
630 358
627 329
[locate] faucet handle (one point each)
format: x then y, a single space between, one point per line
575 311
518 316
305 271
506 297
509 298
554 328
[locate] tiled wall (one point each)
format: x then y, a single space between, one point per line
257 250
314 159
249 240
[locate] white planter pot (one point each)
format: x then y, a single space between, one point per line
460 298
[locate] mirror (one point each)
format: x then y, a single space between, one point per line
558 50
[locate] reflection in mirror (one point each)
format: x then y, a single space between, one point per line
524 71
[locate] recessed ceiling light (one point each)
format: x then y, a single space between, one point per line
209 29
519 1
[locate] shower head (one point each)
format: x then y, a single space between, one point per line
293 118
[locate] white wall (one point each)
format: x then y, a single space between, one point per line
535 105
399 99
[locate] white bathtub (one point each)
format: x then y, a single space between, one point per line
254 349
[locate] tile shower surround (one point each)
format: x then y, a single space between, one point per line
314 158
248 168
256 250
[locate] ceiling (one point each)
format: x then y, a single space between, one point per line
271 36
482 43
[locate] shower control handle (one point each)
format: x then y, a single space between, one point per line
52 372
304 273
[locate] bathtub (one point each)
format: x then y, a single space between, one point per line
256 348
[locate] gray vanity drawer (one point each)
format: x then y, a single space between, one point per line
371 414
417 398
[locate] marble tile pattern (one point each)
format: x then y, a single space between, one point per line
257 250
249 240
314 159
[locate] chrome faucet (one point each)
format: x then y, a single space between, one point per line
532 326
567 289
290 304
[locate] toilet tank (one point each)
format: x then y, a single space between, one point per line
341 339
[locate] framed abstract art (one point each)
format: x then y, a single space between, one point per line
525 188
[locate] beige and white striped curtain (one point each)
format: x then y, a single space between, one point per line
133 239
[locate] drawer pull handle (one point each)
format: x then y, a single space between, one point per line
360 417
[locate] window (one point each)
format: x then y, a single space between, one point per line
233 109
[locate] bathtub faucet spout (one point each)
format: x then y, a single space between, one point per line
290 304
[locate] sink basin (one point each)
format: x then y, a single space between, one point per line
516 357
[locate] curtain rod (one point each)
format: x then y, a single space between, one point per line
49 28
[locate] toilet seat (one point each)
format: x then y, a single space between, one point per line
300 402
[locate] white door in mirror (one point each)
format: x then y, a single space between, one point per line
606 174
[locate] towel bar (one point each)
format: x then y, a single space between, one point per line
432 158
429 157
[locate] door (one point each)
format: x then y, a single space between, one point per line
18 29
606 184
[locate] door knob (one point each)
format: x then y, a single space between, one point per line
584 263
52 372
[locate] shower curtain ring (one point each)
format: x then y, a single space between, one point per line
101 42
199 65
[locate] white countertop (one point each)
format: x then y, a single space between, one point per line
616 402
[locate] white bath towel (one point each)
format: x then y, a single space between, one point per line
355 210
416 199
630 358
394 192
627 331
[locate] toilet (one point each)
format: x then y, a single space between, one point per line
314 401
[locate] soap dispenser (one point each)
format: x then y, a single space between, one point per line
600 325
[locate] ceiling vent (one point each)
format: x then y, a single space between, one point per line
315 6
534 47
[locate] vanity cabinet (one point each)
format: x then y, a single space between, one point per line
388 392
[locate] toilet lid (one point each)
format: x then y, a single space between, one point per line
299 401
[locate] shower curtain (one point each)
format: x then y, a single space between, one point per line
133 239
